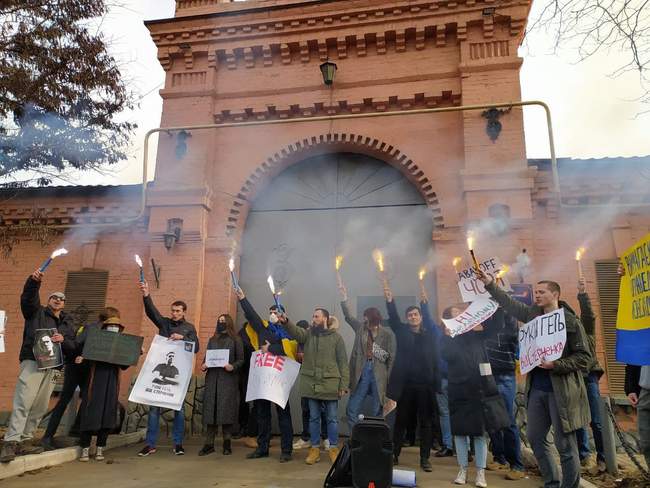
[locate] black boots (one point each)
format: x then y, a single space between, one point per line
227 450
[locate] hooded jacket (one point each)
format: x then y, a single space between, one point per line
259 331
324 371
566 376
40 317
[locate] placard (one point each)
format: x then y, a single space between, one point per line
543 338
48 354
3 323
271 377
478 312
471 288
217 358
112 347
165 375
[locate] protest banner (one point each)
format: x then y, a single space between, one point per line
478 311
3 322
165 375
217 358
271 377
110 347
542 339
48 353
471 288
633 318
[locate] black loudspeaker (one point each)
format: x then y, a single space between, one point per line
371 449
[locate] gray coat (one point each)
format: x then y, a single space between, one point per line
221 394
385 339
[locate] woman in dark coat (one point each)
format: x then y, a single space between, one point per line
99 408
221 394
475 405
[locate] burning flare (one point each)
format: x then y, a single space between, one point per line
579 253
379 259
422 273
456 262
59 252
503 271
338 262
138 260
269 280
470 241
231 265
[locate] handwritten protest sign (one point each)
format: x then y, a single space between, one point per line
165 375
471 288
633 319
217 358
271 378
479 311
543 338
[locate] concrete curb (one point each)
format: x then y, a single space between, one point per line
24 464
586 484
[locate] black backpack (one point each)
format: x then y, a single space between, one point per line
340 474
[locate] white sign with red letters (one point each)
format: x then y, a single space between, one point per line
542 339
271 377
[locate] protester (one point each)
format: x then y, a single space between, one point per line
371 361
591 378
175 328
637 389
221 393
414 379
74 376
269 337
442 401
247 411
34 387
555 390
324 376
475 405
305 438
501 346
99 409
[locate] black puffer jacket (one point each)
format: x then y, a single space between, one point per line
40 317
475 406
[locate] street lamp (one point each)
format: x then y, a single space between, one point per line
328 69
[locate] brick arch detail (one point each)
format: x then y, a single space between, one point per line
327 144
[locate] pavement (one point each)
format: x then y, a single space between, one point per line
125 469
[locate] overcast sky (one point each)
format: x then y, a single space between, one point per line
594 115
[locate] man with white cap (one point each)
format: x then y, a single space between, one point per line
34 386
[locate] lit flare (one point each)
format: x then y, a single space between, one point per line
379 259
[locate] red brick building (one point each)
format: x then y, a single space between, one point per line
272 190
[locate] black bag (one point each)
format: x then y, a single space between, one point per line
372 453
340 474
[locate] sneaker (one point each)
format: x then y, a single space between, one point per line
257 454
301 444
480 478
206 449
146 450
334 453
515 474
285 457
425 464
99 454
494 466
250 442
395 460
178 450
27 447
8 452
326 444
461 478
601 466
444 452
313 456
227 447
85 455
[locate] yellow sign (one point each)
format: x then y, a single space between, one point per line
634 298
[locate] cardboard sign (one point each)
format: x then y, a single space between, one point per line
48 354
165 375
271 377
3 323
477 312
471 288
111 347
633 317
543 338
217 358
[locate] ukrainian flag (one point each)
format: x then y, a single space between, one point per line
633 320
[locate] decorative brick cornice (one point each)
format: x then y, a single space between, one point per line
336 142
367 105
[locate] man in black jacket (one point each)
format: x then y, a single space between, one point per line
34 386
175 328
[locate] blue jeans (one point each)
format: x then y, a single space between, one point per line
304 405
506 443
593 395
263 410
462 450
443 410
367 386
153 426
331 413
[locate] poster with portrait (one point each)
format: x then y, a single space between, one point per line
165 375
48 354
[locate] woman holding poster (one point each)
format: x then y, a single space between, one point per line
221 393
475 406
